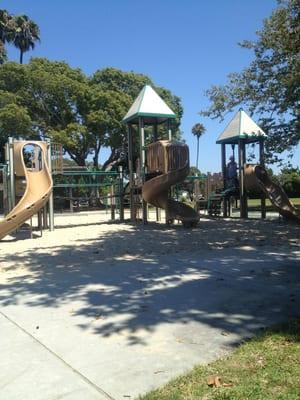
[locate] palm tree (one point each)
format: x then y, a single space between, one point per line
198 130
26 33
6 32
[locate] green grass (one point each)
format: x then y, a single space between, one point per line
266 367
256 202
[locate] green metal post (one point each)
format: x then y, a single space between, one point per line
121 199
224 173
131 180
142 164
12 196
112 203
243 194
50 201
262 163
169 130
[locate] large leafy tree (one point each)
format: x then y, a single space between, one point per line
108 107
25 34
58 100
131 83
270 86
127 85
55 97
14 119
78 112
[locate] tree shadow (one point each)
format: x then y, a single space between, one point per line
230 275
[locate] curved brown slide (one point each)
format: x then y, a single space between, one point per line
155 192
256 177
38 189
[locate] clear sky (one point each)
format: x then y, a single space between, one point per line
183 45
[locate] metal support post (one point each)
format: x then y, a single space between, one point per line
131 180
45 223
112 203
71 199
121 197
243 194
262 163
12 196
5 191
169 130
142 165
155 133
50 201
224 173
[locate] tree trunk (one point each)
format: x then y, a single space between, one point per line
21 56
109 160
197 162
96 156
95 160
80 160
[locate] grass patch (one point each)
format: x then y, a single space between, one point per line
256 202
266 367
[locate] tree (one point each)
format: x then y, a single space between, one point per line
56 99
289 178
14 120
127 86
76 111
194 171
3 56
198 130
26 34
107 108
6 33
270 86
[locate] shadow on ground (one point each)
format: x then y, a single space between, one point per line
232 275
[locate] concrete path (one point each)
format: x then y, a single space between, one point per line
29 370
76 326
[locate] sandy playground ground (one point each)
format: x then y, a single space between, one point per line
119 309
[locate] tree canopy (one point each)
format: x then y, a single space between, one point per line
82 113
270 86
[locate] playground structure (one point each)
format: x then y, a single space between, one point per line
24 175
33 179
82 188
257 176
161 165
242 130
28 183
85 188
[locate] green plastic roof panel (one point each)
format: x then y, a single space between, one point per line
241 127
149 105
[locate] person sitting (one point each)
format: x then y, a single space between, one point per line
232 179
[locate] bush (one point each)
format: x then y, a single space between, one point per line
289 178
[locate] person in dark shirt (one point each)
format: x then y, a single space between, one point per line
232 179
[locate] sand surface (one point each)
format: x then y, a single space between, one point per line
110 240
122 308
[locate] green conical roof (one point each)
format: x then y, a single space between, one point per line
241 127
149 105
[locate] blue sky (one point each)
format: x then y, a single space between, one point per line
185 46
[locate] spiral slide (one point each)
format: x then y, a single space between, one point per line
38 189
256 177
155 192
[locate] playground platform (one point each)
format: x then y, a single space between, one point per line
101 310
